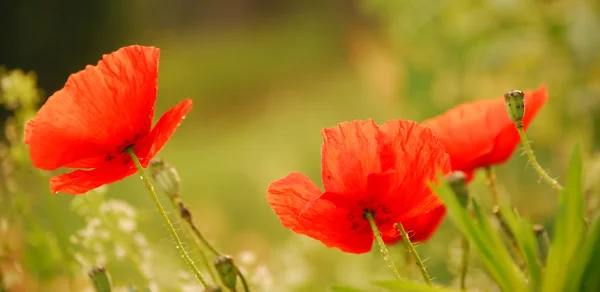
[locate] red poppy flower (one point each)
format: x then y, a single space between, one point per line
100 112
419 228
365 168
480 134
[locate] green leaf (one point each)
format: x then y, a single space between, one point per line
583 274
485 240
525 238
569 229
408 286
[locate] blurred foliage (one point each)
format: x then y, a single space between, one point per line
265 79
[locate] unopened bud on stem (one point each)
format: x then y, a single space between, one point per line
227 271
515 106
457 181
166 176
100 279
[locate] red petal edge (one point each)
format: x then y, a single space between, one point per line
97 110
162 132
323 221
82 181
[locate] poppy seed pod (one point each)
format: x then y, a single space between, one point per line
515 106
166 177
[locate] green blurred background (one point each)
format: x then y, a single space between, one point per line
266 76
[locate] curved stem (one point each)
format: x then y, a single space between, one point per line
385 253
533 161
243 279
163 214
491 182
185 215
414 253
199 235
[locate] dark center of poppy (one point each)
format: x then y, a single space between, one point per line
122 148
358 218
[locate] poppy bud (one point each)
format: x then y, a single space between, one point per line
457 181
100 279
227 271
515 105
166 176
213 288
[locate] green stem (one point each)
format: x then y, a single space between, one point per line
385 253
187 217
407 269
533 161
191 228
466 247
163 214
199 236
243 279
491 182
414 253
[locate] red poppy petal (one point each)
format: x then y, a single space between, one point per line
150 145
419 228
98 109
349 154
465 134
480 133
412 156
91 162
323 221
82 181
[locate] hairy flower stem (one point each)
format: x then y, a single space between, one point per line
414 253
385 253
185 215
168 180
491 182
533 161
163 214
199 239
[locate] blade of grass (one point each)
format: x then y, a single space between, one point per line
484 239
583 274
569 228
526 241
